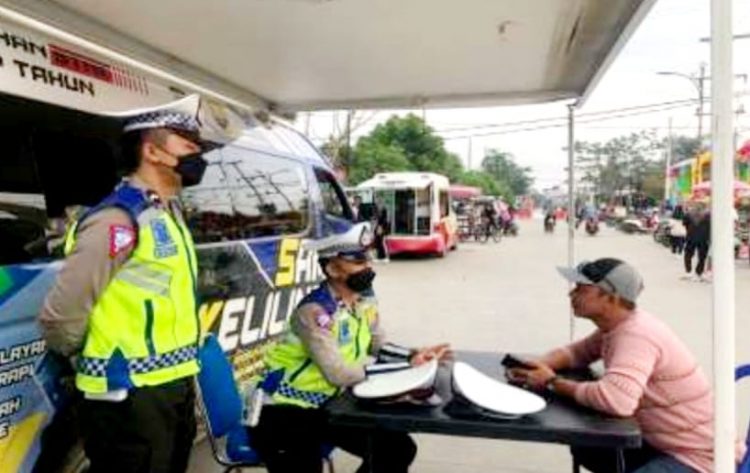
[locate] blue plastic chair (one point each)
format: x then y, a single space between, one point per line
744 466
221 406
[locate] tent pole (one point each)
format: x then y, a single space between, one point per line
722 235
571 201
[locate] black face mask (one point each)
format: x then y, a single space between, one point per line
191 167
360 281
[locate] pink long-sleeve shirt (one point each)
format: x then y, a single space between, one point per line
650 374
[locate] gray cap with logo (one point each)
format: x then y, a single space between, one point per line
610 274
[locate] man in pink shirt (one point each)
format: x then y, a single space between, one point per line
649 374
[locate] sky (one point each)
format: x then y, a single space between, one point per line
667 40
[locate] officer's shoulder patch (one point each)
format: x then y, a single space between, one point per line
121 239
323 320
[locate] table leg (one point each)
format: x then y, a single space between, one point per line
370 455
620 461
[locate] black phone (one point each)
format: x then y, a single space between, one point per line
510 361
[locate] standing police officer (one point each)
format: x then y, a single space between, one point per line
124 304
334 330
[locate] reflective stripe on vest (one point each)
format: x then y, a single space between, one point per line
143 329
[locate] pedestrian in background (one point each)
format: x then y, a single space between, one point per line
698 239
382 229
677 230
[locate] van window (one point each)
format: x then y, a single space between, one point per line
247 194
54 162
23 222
444 203
334 198
423 210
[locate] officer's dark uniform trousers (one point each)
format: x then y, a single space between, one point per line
292 439
151 431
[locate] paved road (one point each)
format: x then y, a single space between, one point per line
508 296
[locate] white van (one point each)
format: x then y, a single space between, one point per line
419 217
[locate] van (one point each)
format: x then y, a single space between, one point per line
415 209
263 193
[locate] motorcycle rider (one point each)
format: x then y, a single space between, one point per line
549 220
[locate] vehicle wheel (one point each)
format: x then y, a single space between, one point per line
496 235
478 234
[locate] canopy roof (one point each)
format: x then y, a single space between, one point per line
291 55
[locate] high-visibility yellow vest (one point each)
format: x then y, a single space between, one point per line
143 329
291 375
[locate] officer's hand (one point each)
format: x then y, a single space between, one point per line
440 353
535 378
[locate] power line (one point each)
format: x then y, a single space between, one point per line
559 125
565 118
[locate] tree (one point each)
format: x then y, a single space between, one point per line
338 146
653 183
403 138
372 157
619 165
486 182
683 147
503 169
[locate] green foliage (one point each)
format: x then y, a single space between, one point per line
683 147
488 184
372 157
403 144
408 144
624 163
502 167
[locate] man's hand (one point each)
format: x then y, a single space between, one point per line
440 353
535 378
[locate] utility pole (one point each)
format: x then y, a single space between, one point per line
701 95
348 150
468 155
668 165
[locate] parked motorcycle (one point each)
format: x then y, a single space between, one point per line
509 227
662 233
592 226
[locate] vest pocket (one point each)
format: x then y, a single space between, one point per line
149 335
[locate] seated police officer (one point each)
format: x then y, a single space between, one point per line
334 331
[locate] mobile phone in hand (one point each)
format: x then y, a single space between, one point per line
510 362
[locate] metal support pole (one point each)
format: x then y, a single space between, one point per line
348 159
722 177
571 201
